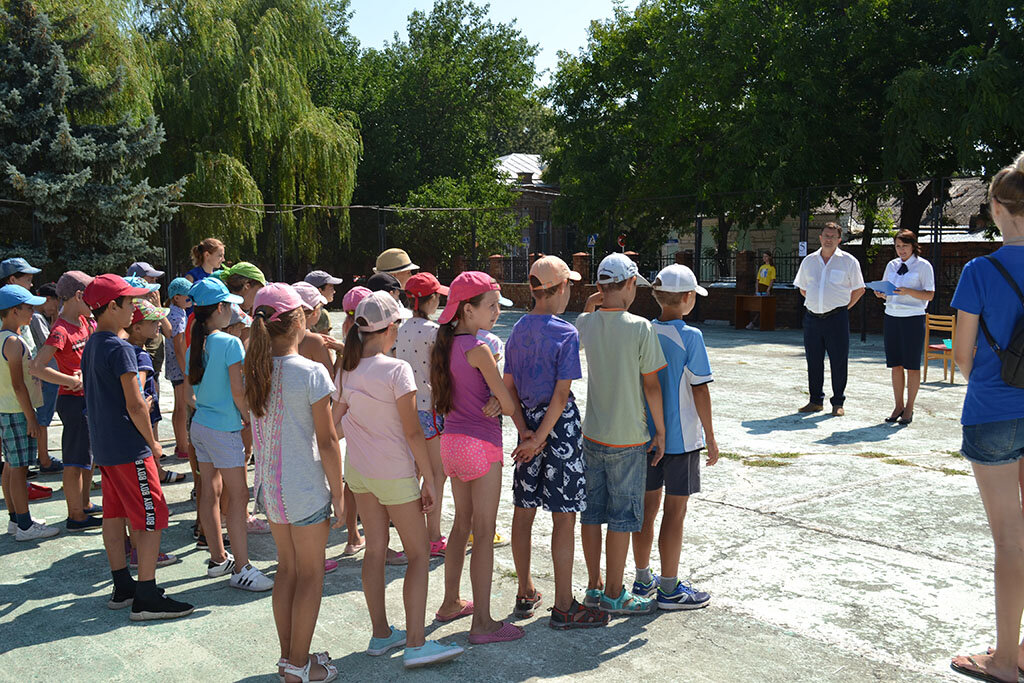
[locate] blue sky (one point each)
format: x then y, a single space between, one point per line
553 26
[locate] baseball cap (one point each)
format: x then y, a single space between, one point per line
145 310
245 269
311 296
143 269
136 281
677 278
279 297
425 284
383 282
353 297
239 316
72 282
619 268
465 286
13 295
394 261
47 289
319 278
211 290
105 288
13 266
551 271
378 310
179 285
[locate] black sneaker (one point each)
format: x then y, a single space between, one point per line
31 473
201 541
525 606
87 523
120 600
160 608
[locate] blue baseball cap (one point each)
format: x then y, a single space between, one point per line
179 285
13 295
13 266
210 290
136 281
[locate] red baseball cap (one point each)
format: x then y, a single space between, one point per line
466 286
105 288
425 284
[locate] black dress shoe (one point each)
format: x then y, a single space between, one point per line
907 420
894 417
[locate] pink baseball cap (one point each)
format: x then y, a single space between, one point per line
464 287
311 296
277 296
352 299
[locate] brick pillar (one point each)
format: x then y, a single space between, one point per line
496 266
581 264
746 272
685 258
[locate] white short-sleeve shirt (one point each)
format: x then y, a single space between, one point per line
828 285
919 275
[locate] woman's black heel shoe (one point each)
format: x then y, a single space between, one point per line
907 420
894 417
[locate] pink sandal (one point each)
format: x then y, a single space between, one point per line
464 612
504 634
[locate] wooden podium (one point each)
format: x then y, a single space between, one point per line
748 304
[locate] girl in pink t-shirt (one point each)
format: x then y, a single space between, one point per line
375 406
464 376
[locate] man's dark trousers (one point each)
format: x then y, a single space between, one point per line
830 335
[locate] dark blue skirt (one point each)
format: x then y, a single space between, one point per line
904 342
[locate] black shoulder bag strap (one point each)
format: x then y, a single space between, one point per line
1013 284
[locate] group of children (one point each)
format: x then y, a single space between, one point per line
417 402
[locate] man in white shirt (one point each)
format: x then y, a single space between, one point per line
831 283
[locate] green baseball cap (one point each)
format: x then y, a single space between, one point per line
245 269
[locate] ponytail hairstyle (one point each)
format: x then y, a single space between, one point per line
196 363
354 344
1007 187
417 304
441 386
259 359
208 245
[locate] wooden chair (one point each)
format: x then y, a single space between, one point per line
945 324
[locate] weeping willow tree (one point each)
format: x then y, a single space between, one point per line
241 123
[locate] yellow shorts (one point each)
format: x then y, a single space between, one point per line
387 491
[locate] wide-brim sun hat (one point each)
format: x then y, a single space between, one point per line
394 261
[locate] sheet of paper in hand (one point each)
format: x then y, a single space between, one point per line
883 286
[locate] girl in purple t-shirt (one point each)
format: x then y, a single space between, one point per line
464 377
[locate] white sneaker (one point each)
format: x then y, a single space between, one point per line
12 526
251 579
36 531
215 569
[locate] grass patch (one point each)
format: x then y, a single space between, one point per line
871 454
951 472
755 462
898 461
786 456
730 456
509 574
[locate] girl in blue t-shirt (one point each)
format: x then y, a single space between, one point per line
207 256
214 362
993 414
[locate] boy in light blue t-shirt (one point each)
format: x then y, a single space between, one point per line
687 411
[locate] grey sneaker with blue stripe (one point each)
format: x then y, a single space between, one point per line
646 590
684 596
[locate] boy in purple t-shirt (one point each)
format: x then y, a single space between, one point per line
542 359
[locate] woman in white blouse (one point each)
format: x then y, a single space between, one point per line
904 321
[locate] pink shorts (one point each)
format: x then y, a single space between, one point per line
468 458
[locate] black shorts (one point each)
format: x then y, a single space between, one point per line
904 341
678 473
74 440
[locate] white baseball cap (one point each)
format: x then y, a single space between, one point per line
378 310
677 278
618 268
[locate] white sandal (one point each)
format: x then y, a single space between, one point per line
322 658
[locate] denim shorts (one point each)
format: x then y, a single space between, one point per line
431 423
224 450
994 443
616 482
320 515
44 413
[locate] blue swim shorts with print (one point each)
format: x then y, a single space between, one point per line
432 424
616 483
554 479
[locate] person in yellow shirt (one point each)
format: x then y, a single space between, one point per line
765 280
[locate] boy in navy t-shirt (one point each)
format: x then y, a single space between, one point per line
124 448
687 410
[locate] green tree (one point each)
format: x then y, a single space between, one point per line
242 122
435 238
75 180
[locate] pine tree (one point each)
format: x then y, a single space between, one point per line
76 183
